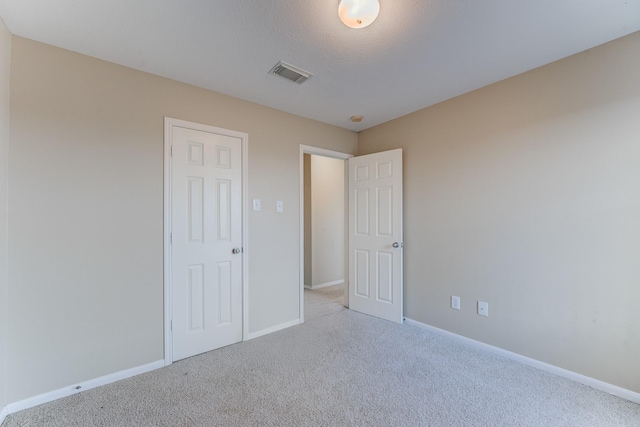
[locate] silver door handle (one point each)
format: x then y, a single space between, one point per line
397 245
236 251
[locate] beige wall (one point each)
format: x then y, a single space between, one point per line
5 67
526 194
327 223
86 197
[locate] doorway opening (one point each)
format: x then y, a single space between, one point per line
324 228
323 222
373 246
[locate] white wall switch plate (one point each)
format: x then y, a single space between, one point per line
256 205
279 206
455 302
483 308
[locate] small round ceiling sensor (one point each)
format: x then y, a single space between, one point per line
356 119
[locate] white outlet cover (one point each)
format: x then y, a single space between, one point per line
455 302
483 308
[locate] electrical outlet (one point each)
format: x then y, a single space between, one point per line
455 302
483 308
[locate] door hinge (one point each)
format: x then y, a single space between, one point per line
172 151
171 327
170 238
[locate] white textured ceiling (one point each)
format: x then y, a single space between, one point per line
418 52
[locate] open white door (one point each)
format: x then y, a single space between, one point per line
206 241
375 234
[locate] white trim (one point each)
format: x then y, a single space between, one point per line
245 237
272 329
3 414
168 309
307 149
325 285
78 388
244 137
564 373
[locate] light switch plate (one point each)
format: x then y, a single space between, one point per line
279 206
483 308
256 205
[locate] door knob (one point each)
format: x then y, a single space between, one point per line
236 251
397 245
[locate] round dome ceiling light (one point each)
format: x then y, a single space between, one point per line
356 119
358 13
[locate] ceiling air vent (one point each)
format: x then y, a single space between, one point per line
290 72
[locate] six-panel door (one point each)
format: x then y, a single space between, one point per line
206 227
375 234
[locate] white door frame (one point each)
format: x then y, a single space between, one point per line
307 149
168 124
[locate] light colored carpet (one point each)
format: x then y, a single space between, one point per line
340 368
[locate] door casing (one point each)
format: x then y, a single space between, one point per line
168 124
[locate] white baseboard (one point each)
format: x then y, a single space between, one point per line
3 414
275 328
325 285
78 388
582 379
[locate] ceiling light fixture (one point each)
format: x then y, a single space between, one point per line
358 13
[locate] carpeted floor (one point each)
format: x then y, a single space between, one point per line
339 368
